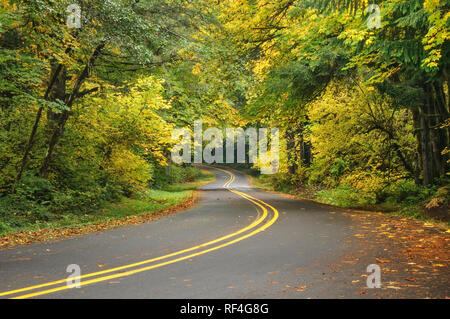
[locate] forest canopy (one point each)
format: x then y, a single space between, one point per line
86 114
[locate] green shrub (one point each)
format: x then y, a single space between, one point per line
338 167
318 174
408 193
17 211
34 188
190 174
4 227
28 205
75 201
345 196
174 174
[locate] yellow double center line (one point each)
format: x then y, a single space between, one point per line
259 203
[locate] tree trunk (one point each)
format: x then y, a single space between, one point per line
291 151
432 139
304 148
53 78
65 114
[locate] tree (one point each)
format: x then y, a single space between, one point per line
133 36
299 46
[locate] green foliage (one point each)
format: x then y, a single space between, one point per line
32 188
37 204
353 103
358 139
103 130
345 196
170 175
358 100
338 167
407 193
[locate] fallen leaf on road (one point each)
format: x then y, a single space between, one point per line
379 260
393 287
328 278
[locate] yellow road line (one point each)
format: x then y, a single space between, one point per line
230 180
131 272
252 225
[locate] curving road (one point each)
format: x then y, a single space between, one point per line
237 242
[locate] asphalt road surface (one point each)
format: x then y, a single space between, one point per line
236 242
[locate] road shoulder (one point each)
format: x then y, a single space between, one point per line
133 216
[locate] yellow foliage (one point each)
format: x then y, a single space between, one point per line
365 181
350 139
128 169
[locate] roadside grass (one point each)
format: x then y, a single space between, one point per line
151 201
155 199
